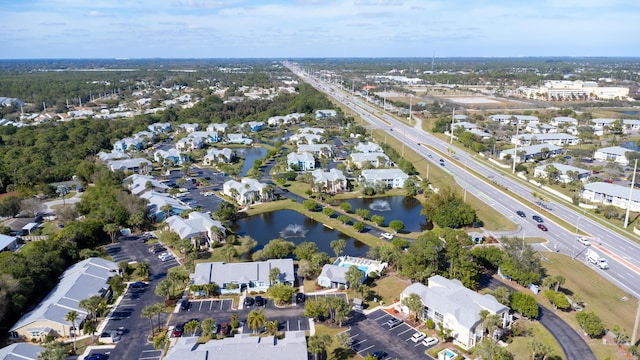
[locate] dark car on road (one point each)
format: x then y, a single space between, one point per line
537 218
379 355
542 227
137 285
96 357
521 213
260 301
300 298
248 301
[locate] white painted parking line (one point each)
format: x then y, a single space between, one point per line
221 302
380 317
200 307
152 357
353 336
358 343
409 329
365 349
211 305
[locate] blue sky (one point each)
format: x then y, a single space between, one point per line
317 28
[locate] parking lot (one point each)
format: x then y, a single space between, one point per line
209 305
369 333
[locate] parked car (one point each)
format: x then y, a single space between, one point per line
109 337
521 213
165 256
430 341
137 285
260 301
156 249
225 329
300 298
417 337
184 304
379 355
177 330
393 323
584 241
96 357
248 301
537 218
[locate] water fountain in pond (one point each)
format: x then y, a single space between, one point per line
293 231
380 205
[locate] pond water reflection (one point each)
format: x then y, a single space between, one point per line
404 208
296 228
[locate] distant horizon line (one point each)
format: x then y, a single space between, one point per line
335 57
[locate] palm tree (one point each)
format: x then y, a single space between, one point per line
111 229
256 320
272 327
71 317
166 209
147 313
143 270
92 305
318 344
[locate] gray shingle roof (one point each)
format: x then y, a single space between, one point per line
20 351
258 271
292 347
81 281
450 297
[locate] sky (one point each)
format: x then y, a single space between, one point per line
317 28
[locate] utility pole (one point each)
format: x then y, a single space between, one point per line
410 113
515 151
453 116
634 336
633 181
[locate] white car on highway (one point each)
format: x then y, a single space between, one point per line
584 241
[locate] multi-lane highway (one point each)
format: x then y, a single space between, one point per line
496 189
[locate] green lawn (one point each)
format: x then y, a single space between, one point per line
335 351
600 295
388 289
519 346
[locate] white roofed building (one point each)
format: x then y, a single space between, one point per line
198 228
333 180
611 194
225 155
248 276
246 191
615 154
558 139
301 161
79 282
364 147
565 174
292 347
456 307
377 159
391 178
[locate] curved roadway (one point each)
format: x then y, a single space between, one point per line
623 254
